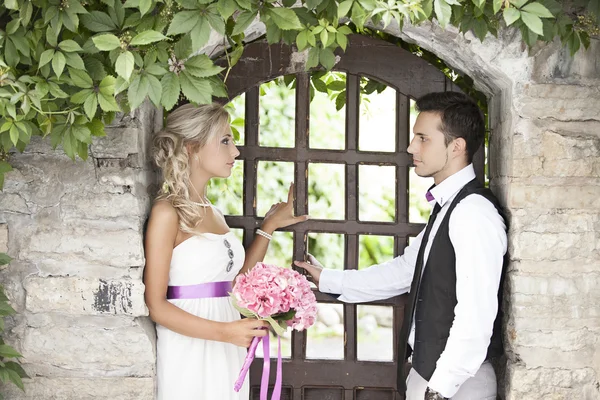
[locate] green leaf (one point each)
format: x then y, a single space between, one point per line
301 40
124 65
497 4
337 86
538 9
11 4
97 21
284 18
75 61
147 37
81 96
511 15
313 58
96 127
108 103
327 58
4 168
58 63
202 66
533 22
170 90
14 134
342 40
518 3
137 92
9 352
183 22
344 7
46 57
217 23
91 105
106 42
226 8
69 46
195 89
107 86
443 12
243 21
68 144
145 6
200 34
17 368
81 133
154 89
121 85
81 78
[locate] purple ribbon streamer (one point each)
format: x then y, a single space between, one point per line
264 384
200 291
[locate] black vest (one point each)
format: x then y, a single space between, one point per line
436 300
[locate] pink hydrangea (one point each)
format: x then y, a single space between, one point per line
271 291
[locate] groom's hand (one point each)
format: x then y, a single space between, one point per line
313 267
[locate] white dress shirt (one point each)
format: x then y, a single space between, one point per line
478 234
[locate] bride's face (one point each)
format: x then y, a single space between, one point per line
217 157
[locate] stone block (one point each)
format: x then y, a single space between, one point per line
85 296
119 142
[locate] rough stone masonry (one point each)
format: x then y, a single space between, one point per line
75 232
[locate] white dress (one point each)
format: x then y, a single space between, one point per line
198 369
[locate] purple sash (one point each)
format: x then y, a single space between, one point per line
200 291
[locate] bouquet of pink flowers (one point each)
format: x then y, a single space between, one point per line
282 297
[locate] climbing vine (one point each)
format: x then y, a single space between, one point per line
67 66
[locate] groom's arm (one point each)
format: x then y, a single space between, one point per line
378 282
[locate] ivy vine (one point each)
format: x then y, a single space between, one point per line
68 66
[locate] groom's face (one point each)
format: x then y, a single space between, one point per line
428 147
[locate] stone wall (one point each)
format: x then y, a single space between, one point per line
74 231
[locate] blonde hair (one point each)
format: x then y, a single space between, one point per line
186 125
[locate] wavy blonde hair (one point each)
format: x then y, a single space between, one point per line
186 125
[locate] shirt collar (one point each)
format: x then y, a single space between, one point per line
452 184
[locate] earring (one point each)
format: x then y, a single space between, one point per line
196 157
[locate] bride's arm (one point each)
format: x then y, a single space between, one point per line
160 239
279 216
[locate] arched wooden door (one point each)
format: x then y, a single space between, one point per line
411 77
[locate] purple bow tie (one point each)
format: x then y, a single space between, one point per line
429 196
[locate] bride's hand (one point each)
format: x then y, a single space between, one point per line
241 332
282 214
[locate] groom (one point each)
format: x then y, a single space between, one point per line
452 270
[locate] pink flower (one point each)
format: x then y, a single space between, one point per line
271 291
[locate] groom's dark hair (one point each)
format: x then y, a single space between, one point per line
461 118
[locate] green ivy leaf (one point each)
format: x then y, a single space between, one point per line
497 5
201 66
9 352
327 58
58 63
511 15
81 96
170 90
97 21
154 89
217 23
183 22
107 86
226 8
147 37
124 65
145 6
200 34
108 103
17 368
106 42
46 57
443 12
284 18
518 3
344 8
96 127
538 9
243 21
81 78
302 40
195 89
91 105
342 40
74 60
533 22
137 92
11 4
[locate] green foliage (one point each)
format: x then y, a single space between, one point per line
10 371
66 66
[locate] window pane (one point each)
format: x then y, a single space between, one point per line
374 250
328 248
377 119
375 333
327 112
226 194
281 249
237 111
277 111
273 183
325 339
326 191
377 193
